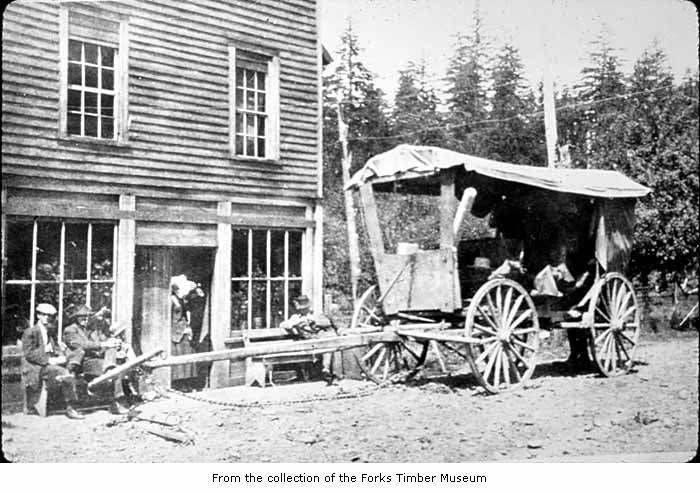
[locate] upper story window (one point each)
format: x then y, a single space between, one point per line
254 105
94 87
91 94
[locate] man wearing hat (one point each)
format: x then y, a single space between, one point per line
305 325
93 353
44 360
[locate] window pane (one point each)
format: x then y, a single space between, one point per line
74 100
73 124
276 303
16 317
102 251
107 102
107 56
91 102
239 98
239 123
90 53
259 304
74 295
74 74
47 293
249 78
74 48
261 126
277 253
250 100
250 125
48 251
260 253
239 145
239 77
261 102
107 79
91 126
294 292
75 266
295 253
101 299
239 305
261 81
19 250
239 253
250 146
107 128
261 147
90 76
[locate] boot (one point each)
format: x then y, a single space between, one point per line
73 413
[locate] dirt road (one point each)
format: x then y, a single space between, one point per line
559 416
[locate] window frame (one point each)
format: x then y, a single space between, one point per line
272 103
249 279
120 43
33 282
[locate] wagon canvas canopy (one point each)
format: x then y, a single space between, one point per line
405 162
543 206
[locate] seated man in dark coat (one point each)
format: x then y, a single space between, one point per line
93 353
44 360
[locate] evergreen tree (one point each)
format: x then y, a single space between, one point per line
466 93
509 137
415 115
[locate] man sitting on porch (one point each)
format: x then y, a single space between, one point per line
93 353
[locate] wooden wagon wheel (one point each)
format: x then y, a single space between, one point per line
384 360
614 320
502 317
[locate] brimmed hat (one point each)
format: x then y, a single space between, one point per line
46 309
301 302
82 311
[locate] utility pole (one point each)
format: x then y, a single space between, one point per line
353 244
550 116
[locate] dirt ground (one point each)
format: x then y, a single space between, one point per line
559 416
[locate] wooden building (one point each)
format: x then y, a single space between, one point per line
147 139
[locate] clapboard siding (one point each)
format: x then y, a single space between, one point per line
178 101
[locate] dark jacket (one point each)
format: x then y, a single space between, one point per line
35 355
84 349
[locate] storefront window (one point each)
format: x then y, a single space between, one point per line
47 262
266 276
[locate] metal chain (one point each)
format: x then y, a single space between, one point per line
258 404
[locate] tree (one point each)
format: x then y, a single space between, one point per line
466 92
509 137
415 116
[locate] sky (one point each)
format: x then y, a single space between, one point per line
394 32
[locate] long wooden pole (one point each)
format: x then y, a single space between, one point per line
353 244
307 347
119 370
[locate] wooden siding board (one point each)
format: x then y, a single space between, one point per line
178 103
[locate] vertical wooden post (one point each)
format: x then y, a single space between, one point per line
156 305
317 271
126 251
353 244
221 297
447 208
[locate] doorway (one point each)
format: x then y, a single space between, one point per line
176 320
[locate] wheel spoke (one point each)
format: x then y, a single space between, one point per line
371 352
506 367
622 347
411 352
629 312
602 314
517 355
485 340
623 335
521 318
492 360
613 351
492 309
625 301
601 336
499 304
516 373
522 344
379 360
484 329
488 319
387 361
506 306
486 352
514 310
518 332
497 367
